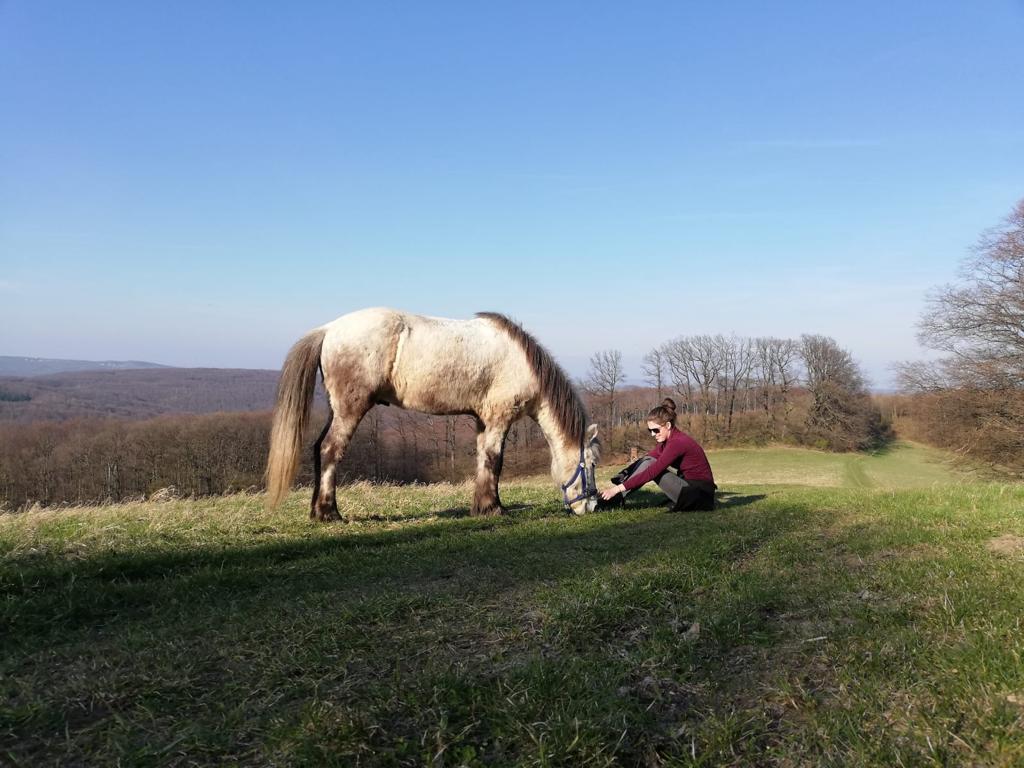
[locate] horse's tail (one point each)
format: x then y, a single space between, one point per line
291 413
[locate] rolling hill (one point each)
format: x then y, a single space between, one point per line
43 366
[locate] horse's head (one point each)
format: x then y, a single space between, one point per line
580 493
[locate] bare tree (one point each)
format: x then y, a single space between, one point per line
695 364
826 362
737 356
980 321
973 399
776 367
678 355
654 368
450 445
706 366
841 416
605 376
920 377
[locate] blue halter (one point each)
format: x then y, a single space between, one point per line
589 485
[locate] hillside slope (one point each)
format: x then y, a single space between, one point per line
43 366
794 626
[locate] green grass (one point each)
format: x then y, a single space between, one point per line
859 622
900 465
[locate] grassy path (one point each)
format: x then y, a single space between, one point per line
794 626
854 473
901 465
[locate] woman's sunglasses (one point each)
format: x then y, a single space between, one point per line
654 431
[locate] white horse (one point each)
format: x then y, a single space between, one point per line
487 367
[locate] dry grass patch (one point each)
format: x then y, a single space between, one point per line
1007 545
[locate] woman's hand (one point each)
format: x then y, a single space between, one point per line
607 493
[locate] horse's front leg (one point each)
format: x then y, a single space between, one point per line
327 452
490 450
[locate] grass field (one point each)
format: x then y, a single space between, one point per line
900 465
835 611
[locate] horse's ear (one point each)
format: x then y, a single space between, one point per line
592 431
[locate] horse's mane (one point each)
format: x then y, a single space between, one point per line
555 386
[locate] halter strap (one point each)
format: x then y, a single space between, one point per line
585 491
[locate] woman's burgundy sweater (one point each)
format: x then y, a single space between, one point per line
680 451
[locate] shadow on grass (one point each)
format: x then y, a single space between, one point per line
458 513
728 499
882 446
642 499
485 556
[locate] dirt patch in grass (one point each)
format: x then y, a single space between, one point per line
913 552
852 562
1007 545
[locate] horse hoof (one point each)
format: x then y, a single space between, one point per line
488 512
330 516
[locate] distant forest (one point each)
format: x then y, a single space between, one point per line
134 394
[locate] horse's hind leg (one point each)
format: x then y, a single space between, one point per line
328 451
490 451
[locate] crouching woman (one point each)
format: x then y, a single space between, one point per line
677 464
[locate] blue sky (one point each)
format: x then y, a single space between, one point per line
198 183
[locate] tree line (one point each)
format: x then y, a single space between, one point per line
97 460
736 390
971 399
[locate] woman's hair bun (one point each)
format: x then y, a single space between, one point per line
664 413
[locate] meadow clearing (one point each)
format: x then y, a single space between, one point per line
835 610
